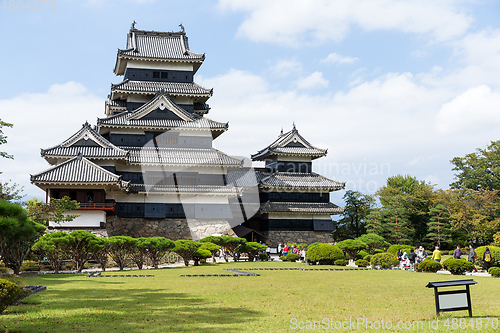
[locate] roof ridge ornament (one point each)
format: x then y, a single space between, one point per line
132 27
182 27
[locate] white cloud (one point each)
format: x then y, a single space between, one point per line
315 80
284 68
476 108
295 22
337 58
42 120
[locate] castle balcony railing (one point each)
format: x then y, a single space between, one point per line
97 206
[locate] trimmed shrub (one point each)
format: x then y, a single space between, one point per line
341 262
362 263
352 247
368 257
494 271
495 253
361 255
324 254
292 257
394 248
428 266
450 252
376 251
458 266
263 257
283 258
10 293
384 260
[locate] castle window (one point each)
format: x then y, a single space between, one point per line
164 75
156 75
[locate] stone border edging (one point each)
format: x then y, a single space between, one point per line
241 272
98 274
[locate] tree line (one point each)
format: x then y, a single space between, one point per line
412 211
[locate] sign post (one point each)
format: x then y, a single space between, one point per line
452 300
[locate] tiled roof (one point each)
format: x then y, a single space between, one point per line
159 45
248 177
301 180
123 120
78 170
163 101
182 156
151 87
206 189
100 148
290 143
301 207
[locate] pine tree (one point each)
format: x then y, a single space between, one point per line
439 225
396 221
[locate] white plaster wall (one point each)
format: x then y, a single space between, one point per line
88 218
178 66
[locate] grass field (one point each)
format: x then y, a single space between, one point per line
266 303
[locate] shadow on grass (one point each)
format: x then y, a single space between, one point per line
131 310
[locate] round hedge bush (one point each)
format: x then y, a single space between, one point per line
292 257
341 262
368 257
384 260
10 293
394 248
324 254
495 253
263 257
458 266
362 263
428 266
494 271
361 254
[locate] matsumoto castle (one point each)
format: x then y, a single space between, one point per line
148 167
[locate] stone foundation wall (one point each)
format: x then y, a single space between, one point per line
308 237
173 229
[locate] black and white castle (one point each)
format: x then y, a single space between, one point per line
149 168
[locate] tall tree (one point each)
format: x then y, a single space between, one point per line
17 234
3 139
397 221
439 228
356 209
479 170
416 196
374 222
476 214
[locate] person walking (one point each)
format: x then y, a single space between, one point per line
411 258
436 254
487 258
457 253
279 250
472 256
399 256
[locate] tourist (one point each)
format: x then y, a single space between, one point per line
303 254
421 255
472 256
285 250
404 261
411 259
399 256
487 258
279 250
436 255
457 253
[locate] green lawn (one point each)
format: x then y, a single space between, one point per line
266 303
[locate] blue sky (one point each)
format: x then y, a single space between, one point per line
389 87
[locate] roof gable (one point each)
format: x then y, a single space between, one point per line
290 143
161 107
78 170
87 142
